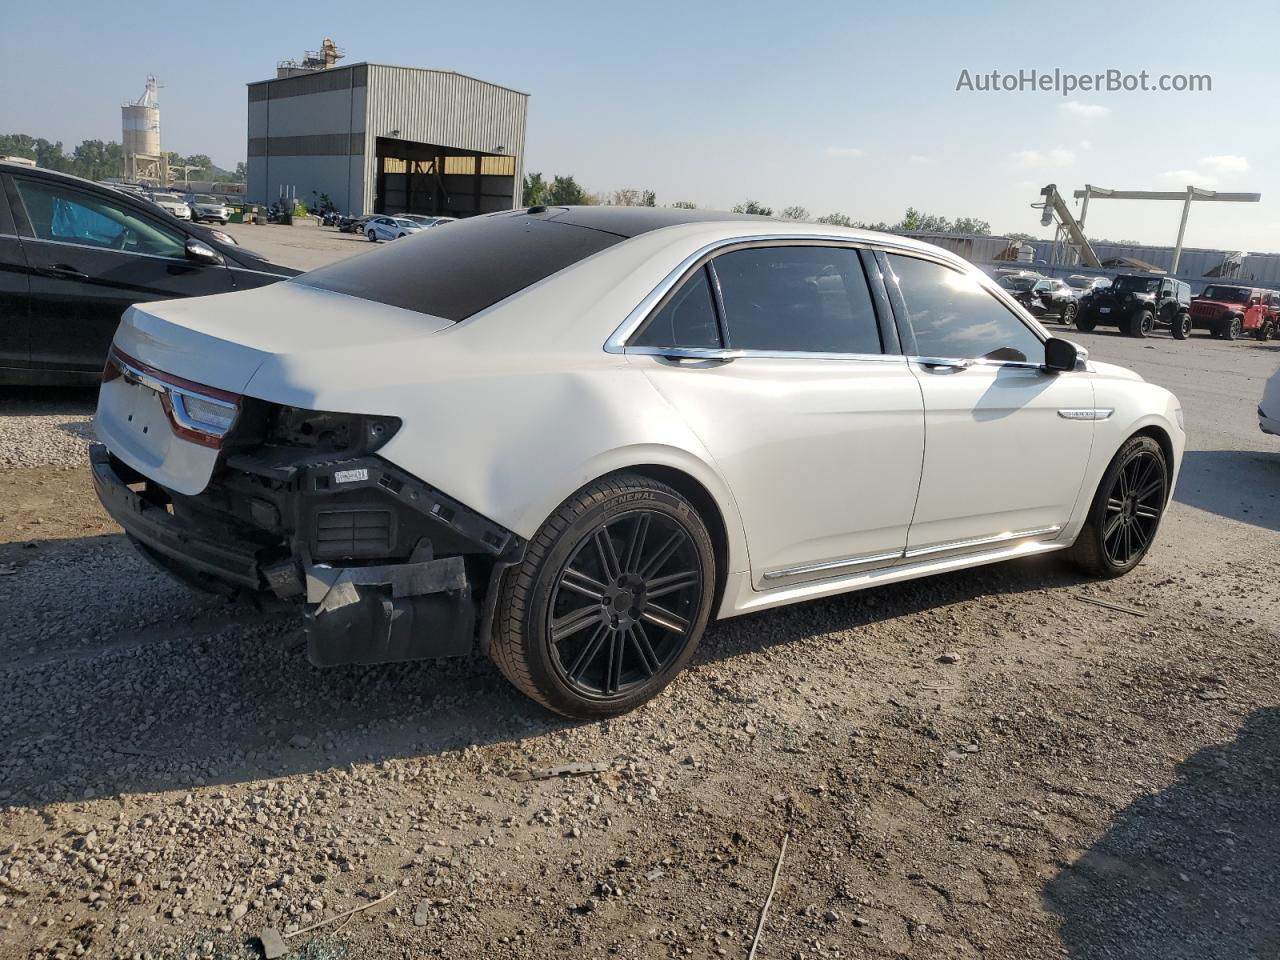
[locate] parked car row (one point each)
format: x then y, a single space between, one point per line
390 226
74 255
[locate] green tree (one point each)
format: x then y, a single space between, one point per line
565 191
685 205
836 220
649 199
95 159
241 172
795 213
750 206
535 190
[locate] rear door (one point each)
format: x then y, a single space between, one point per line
815 423
92 255
15 352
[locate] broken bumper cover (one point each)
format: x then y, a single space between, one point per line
400 610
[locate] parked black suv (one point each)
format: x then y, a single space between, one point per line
1044 297
1137 304
74 255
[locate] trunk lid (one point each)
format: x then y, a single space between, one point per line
220 342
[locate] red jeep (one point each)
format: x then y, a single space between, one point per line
1229 310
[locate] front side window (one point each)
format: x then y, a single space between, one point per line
951 315
71 216
688 319
804 299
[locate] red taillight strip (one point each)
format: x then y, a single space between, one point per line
117 363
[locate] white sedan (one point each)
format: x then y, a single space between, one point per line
570 437
390 228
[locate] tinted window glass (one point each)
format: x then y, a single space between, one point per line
687 320
457 272
953 316
807 299
72 216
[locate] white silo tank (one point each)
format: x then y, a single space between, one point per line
141 124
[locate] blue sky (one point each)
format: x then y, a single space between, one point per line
835 106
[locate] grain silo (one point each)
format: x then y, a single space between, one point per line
143 159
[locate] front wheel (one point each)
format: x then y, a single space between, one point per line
1182 326
1085 323
1141 324
1126 510
610 600
1231 330
372 235
1069 313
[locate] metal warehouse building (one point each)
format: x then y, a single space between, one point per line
383 139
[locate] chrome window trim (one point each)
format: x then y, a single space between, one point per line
810 568
1008 537
725 354
127 253
230 265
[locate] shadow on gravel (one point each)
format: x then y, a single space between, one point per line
1190 873
171 689
1237 484
43 401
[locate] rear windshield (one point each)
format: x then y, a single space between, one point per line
458 272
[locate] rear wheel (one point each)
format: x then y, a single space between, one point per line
610 600
1126 510
1181 326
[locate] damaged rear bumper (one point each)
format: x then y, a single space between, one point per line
373 610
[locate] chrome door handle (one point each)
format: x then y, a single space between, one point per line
952 363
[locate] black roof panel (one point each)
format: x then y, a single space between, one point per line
631 221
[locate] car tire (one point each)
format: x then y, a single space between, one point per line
372 235
577 627
1085 322
1182 326
1140 324
1232 329
1126 511
1069 312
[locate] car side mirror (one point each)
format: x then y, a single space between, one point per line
203 253
1063 356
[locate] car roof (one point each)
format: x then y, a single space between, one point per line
629 221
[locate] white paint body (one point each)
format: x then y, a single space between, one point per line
1269 406
812 463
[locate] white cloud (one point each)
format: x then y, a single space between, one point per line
920 158
1085 145
1226 163
1035 159
845 153
1193 177
1087 111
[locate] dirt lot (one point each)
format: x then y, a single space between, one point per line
980 765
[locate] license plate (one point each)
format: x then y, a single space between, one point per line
1104 309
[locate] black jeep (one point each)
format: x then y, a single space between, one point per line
1137 304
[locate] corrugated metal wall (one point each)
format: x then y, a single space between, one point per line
449 109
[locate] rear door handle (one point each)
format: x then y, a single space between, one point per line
64 271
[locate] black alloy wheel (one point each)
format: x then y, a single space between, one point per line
610 600
1069 313
1126 510
1181 326
624 604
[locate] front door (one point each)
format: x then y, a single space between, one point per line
91 258
817 430
15 352
1006 442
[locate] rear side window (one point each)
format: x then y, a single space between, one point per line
804 299
687 320
458 272
952 316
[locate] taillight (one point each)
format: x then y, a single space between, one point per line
203 415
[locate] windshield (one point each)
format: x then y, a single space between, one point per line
1229 294
1136 284
405 222
1080 283
1017 283
206 200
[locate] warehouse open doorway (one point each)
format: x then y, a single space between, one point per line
441 181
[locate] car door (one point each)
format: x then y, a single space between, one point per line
15 351
1006 443
815 422
92 255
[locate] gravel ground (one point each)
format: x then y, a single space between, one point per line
983 764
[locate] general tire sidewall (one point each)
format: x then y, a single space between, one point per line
533 627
